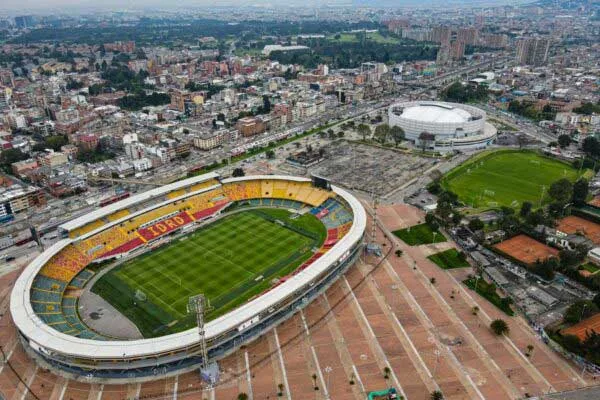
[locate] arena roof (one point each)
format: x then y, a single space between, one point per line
138 198
44 338
435 112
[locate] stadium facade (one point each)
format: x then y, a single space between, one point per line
440 126
47 319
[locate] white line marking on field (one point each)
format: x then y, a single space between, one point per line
362 387
26 390
304 323
8 355
64 390
376 342
283 370
248 376
325 389
175 387
412 346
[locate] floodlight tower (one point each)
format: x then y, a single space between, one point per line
197 304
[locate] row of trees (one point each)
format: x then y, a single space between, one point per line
459 93
528 110
140 100
351 54
383 133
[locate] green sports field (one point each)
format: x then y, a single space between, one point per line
229 261
506 178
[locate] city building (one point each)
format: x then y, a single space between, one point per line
533 51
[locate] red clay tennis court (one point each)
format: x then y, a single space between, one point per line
581 329
573 224
526 249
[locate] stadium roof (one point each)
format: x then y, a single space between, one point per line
436 112
138 198
46 339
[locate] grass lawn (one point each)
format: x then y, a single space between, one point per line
228 261
348 37
420 234
591 268
506 178
488 291
449 259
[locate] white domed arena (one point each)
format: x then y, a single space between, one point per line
442 127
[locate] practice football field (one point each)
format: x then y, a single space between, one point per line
506 178
228 261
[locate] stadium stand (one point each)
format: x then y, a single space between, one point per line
87 228
176 193
118 215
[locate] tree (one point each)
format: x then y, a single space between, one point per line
591 146
426 140
381 133
571 343
579 311
525 209
266 107
242 396
280 388
397 134
9 156
314 378
270 154
237 172
399 253
436 395
546 268
568 258
364 131
499 327
581 189
564 141
530 349
476 224
561 190
386 372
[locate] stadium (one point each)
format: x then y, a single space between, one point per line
449 126
257 248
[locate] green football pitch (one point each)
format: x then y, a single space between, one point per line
228 261
506 178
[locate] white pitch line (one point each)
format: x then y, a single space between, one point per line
175 387
430 325
26 390
412 346
304 323
316 360
248 376
376 342
100 392
64 390
8 355
283 370
138 390
362 387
